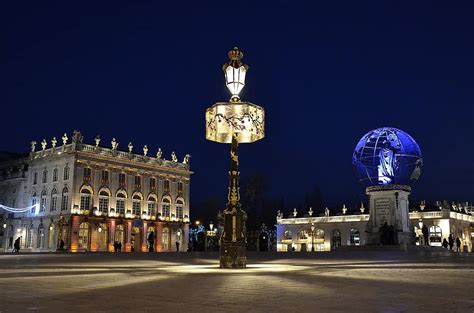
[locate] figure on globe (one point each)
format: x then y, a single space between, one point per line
386 164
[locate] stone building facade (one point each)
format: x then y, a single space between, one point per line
329 232
91 196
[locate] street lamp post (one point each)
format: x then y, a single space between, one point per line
234 122
312 236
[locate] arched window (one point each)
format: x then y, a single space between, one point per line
83 242
136 204
179 209
104 201
166 204
35 178
165 239
152 205
40 236
54 200
120 203
33 203
45 176
64 199
435 235
43 201
288 235
354 237
55 175
336 238
302 235
66 172
318 234
85 199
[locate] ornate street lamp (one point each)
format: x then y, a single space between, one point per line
312 237
234 122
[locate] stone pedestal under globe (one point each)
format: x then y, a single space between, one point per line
389 204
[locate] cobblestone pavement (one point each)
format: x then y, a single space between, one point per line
351 281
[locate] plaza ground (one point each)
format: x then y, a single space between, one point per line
343 281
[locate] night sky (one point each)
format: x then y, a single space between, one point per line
325 74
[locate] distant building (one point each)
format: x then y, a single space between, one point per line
91 196
333 231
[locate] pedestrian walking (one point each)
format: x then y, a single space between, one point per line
16 246
445 243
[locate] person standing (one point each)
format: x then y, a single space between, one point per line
458 244
451 242
425 232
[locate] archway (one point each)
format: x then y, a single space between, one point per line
263 242
101 240
120 236
84 236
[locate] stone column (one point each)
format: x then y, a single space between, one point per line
159 236
128 229
75 232
144 237
186 237
111 226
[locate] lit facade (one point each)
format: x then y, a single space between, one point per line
92 196
330 232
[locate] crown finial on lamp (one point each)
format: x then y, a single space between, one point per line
234 72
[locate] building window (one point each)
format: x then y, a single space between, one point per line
29 242
152 206
43 201
180 187
179 209
85 199
40 236
66 173
55 174
138 182
303 235
83 236
435 235
120 204
122 180
136 205
35 178
45 176
33 203
354 237
153 184
288 235
103 201
54 200
64 199
166 208
336 238
87 174
166 185
105 177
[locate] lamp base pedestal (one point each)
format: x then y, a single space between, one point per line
232 255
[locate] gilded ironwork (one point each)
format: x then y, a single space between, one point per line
234 122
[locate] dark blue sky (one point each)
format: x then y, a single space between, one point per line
325 73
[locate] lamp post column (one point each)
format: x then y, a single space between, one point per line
233 241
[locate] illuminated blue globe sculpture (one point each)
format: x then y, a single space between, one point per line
387 156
